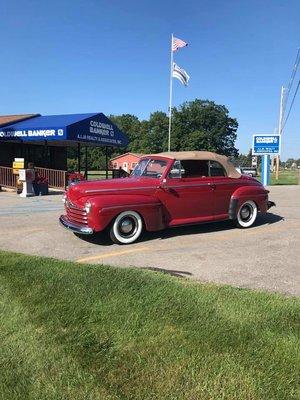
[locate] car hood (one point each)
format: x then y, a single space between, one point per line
111 186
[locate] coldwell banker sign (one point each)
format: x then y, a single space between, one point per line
264 144
90 128
101 132
32 134
97 129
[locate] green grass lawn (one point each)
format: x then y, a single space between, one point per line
97 174
286 177
71 331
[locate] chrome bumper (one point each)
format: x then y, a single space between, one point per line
76 228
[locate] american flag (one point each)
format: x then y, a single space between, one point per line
177 43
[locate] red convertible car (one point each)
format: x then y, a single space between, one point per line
165 190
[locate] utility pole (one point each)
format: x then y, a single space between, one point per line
280 126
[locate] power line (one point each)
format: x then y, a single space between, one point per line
291 106
284 101
294 71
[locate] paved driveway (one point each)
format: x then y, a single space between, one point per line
266 256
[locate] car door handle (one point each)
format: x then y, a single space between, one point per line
164 188
213 186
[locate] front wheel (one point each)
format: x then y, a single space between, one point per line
126 228
247 214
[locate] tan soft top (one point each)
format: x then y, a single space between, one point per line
203 155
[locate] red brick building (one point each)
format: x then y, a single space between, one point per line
126 161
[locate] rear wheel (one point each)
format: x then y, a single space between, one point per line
126 228
247 214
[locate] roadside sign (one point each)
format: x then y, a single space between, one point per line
266 144
18 164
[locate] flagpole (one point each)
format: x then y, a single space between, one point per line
170 100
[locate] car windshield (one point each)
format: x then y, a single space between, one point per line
149 167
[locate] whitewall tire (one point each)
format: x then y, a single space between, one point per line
126 228
247 214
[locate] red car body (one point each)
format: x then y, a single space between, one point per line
176 189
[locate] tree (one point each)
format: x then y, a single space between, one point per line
204 125
156 132
289 162
131 125
244 159
196 125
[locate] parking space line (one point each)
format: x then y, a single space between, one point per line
28 230
233 234
113 254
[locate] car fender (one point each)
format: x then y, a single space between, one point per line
256 193
106 207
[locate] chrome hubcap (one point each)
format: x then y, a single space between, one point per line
246 213
128 226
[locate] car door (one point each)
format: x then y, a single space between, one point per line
223 188
187 195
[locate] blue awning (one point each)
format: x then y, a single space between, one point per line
95 129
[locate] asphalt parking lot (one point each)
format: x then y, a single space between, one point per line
266 256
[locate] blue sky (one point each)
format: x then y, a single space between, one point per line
113 56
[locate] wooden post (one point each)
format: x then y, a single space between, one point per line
86 163
281 112
78 157
46 155
106 162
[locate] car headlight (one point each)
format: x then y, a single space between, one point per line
87 207
64 199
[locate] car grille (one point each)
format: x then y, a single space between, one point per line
76 214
